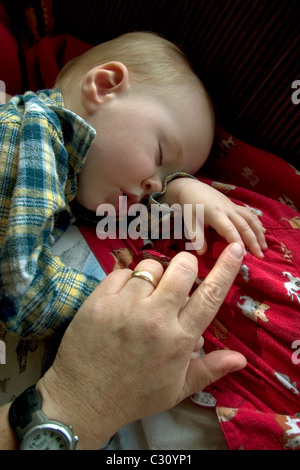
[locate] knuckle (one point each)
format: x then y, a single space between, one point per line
151 265
251 216
231 233
246 228
148 263
187 264
212 294
230 229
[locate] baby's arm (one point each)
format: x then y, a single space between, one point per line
233 222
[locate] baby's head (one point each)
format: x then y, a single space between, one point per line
151 113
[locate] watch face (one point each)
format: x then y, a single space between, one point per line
48 437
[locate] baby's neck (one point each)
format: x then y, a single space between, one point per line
72 100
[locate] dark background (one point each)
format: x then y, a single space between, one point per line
245 51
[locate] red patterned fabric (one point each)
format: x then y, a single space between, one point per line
258 407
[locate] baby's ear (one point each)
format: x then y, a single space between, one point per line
104 81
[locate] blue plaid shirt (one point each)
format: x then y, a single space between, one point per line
42 149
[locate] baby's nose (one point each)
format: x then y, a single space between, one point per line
152 185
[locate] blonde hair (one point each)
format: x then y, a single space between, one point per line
150 59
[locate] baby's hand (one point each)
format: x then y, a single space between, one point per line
233 222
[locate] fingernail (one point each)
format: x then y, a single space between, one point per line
236 250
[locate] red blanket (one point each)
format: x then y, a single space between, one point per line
259 407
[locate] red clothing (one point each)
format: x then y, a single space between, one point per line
258 407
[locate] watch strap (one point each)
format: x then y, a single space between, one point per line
23 407
25 412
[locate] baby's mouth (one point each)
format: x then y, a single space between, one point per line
130 197
125 200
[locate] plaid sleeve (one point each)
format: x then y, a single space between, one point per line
39 294
154 198
164 212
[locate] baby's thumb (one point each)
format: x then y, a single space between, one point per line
203 249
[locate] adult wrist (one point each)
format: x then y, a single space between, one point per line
62 402
56 406
33 429
8 439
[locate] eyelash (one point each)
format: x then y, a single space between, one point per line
160 155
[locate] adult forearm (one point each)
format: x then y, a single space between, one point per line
7 437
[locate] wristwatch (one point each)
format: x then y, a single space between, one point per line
33 429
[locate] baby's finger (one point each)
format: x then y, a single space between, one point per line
248 234
202 250
257 227
227 229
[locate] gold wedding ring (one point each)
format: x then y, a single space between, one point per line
146 276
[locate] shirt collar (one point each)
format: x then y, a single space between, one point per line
78 133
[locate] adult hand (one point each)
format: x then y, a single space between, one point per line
128 351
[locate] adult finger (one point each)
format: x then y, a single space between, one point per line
177 282
205 302
145 278
210 368
113 283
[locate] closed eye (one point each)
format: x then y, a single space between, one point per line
160 157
